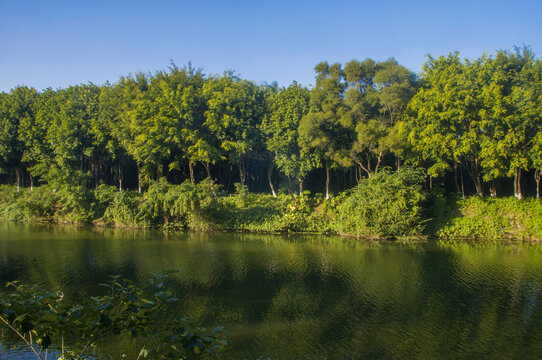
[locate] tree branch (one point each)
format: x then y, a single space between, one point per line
21 336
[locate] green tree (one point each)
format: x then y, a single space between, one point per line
179 110
325 133
510 117
16 108
129 93
377 96
235 109
281 126
445 116
74 152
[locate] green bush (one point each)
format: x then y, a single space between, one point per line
489 218
249 212
75 203
25 205
122 209
386 204
190 205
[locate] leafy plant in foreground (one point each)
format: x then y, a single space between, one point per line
40 318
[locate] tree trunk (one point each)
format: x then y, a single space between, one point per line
517 184
378 162
242 173
207 169
120 178
31 181
537 178
18 178
430 182
462 184
191 171
357 169
398 163
300 181
230 170
269 173
474 172
138 179
366 169
96 173
478 185
493 188
327 182
455 178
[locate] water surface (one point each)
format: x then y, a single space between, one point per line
307 297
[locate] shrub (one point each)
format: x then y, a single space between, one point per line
122 209
386 204
491 218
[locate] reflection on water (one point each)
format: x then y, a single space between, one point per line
291 297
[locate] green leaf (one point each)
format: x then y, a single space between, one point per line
144 352
26 326
105 320
45 342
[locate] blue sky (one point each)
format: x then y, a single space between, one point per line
61 43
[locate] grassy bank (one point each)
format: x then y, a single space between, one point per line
487 218
385 205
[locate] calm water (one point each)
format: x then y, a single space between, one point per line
299 297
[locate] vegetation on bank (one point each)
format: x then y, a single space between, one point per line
488 218
388 204
166 150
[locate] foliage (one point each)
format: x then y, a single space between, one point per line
480 115
122 209
506 218
140 311
280 127
386 204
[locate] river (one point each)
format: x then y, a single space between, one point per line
307 297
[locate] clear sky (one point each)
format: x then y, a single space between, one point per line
60 43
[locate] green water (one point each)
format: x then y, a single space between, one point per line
299 297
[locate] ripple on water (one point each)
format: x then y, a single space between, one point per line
309 298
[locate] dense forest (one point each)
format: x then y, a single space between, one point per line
474 123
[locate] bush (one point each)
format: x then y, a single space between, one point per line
122 209
38 204
190 205
75 203
249 212
386 204
489 218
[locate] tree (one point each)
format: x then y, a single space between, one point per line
280 127
235 108
376 95
325 132
129 119
179 107
16 108
74 151
444 116
510 118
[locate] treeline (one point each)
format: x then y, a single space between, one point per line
481 116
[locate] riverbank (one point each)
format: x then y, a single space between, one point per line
381 207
